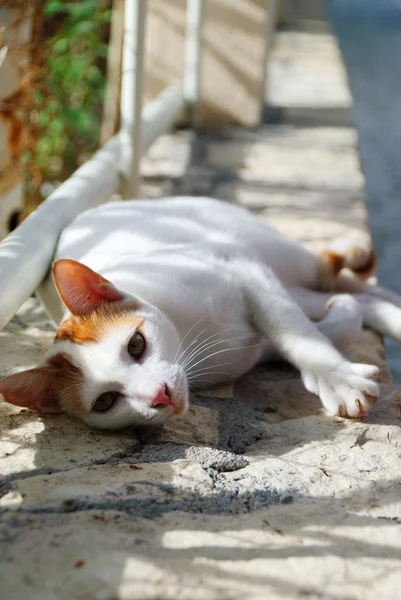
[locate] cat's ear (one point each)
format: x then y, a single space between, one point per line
35 389
81 289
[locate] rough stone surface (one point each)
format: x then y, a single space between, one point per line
255 493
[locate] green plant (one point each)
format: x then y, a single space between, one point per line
69 103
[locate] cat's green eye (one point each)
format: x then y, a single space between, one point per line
105 401
136 345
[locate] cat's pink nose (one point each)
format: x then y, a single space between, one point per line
162 397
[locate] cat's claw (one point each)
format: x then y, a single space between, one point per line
346 390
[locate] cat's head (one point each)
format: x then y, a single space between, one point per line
113 361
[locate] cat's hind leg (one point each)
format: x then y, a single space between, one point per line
378 314
342 322
343 267
346 264
339 317
354 253
347 282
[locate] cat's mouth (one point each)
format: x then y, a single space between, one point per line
171 399
179 395
176 402
176 408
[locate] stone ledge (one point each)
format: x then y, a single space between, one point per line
256 493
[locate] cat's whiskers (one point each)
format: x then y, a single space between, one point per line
204 341
185 337
209 373
204 346
191 344
225 350
195 388
216 343
208 370
193 375
197 371
194 350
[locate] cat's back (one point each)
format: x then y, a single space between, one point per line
166 249
145 226
161 250
181 237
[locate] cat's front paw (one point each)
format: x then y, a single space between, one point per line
346 390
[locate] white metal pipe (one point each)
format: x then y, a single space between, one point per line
271 22
161 114
131 94
193 58
271 7
26 254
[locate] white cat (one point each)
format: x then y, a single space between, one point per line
183 292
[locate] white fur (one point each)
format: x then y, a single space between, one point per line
218 288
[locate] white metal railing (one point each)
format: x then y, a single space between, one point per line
193 55
131 94
26 254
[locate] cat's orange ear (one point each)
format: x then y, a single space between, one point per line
35 389
81 289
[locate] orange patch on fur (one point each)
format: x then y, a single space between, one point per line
93 326
330 264
333 260
69 379
367 269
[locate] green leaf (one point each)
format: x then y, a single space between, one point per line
60 46
70 107
54 7
84 27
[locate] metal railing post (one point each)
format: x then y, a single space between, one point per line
131 94
193 58
26 253
272 10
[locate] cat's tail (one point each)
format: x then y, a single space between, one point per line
354 253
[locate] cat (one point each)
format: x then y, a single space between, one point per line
153 297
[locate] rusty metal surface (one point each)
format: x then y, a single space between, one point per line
20 73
